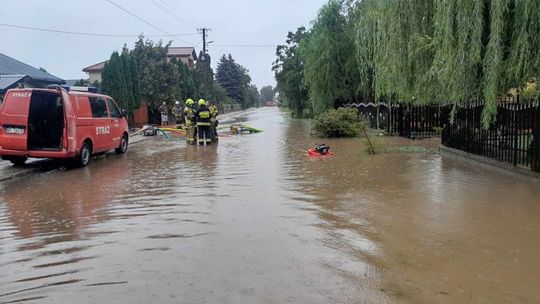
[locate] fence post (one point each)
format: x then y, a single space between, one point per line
515 125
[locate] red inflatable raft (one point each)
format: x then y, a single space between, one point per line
313 152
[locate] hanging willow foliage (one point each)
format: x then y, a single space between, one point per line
493 61
422 51
330 71
524 59
392 40
457 45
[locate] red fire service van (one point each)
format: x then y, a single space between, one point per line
60 123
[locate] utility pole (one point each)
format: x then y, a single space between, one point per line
204 35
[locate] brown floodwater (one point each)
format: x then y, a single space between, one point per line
254 220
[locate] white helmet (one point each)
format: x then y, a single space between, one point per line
177 102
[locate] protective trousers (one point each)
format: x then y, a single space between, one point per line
190 136
214 123
205 135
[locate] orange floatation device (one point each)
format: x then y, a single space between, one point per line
320 150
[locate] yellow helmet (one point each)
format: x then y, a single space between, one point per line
190 102
202 102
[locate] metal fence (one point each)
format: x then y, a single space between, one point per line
514 136
419 121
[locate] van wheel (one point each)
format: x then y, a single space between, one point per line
123 145
18 160
84 156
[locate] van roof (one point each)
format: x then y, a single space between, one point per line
79 93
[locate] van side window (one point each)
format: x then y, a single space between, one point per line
115 113
99 109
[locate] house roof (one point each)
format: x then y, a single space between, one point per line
13 67
182 52
7 81
95 67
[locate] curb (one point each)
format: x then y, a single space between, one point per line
487 162
18 174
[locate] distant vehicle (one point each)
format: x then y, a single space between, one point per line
61 124
270 104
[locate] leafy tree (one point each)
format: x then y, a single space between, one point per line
288 70
187 83
267 94
81 83
252 96
114 81
330 66
234 78
411 51
220 95
158 79
204 77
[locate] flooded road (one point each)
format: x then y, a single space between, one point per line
254 220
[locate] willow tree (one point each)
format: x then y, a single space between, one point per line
330 70
392 43
484 48
523 63
289 73
422 51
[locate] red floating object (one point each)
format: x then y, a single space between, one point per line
313 152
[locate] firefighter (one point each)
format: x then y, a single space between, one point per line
189 114
214 112
203 123
177 112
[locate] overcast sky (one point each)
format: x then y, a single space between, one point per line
233 22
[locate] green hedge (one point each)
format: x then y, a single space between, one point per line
343 122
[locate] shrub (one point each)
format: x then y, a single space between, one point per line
343 122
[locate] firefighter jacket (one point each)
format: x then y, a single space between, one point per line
189 113
203 116
177 111
213 112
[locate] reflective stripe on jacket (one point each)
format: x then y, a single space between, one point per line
203 116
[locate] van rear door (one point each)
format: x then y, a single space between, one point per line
70 139
14 119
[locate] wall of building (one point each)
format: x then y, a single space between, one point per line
140 116
94 76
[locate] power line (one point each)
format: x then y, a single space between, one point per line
246 45
173 4
141 19
87 34
169 11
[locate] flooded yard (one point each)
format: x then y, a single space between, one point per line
255 220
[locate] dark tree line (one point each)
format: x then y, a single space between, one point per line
146 73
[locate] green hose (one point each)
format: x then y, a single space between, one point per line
164 133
